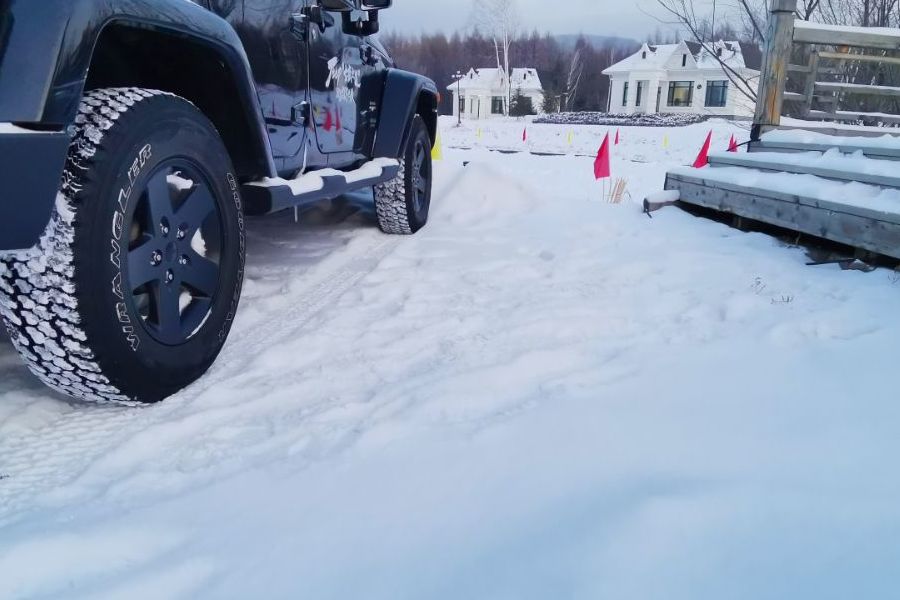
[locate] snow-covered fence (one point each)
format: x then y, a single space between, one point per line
614 120
800 180
833 52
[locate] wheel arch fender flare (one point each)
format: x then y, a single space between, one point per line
190 22
405 96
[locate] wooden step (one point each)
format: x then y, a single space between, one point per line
851 116
753 161
860 146
858 226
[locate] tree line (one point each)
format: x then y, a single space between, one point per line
570 73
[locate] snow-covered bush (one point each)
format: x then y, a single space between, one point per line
607 119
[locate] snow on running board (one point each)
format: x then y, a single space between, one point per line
314 181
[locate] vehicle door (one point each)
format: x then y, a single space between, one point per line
280 62
337 68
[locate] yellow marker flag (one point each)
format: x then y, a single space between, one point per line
571 137
665 142
478 133
437 152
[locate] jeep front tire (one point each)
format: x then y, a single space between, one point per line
132 291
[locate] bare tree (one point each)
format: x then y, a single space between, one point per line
499 19
576 70
684 13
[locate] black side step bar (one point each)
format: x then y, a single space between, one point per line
274 195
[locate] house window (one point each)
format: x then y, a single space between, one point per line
640 93
717 94
497 105
681 93
644 55
462 104
684 60
625 95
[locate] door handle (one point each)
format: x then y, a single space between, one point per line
310 15
367 54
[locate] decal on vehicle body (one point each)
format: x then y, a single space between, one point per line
345 77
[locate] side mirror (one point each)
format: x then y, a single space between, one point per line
376 4
360 27
343 6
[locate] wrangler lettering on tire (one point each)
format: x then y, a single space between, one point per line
135 140
154 316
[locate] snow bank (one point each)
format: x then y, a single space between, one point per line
540 396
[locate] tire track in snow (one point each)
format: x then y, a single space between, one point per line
42 469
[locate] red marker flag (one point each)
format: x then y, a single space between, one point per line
733 145
329 120
617 137
525 135
703 157
601 165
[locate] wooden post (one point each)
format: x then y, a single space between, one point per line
779 44
811 80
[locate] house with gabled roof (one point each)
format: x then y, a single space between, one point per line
686 78
482 93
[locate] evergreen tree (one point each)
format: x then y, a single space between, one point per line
521 105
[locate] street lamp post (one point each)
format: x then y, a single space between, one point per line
458 77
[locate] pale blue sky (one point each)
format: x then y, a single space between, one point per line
603 17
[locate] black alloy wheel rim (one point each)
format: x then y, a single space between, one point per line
421 175
175 248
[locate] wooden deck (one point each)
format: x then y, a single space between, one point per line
835 182
723 187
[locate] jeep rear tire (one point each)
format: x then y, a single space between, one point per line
132 291
402 204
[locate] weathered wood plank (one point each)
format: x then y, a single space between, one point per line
810 88
794 97
816 127
846 116
869 151
885 60
858 89
712 182
855 230
751 162
814 33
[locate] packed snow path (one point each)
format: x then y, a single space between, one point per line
539 396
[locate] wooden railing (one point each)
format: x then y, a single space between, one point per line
829 52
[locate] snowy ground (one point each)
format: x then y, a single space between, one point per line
540 396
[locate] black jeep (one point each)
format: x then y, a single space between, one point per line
134 137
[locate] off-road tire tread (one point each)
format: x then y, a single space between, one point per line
38 300
391 206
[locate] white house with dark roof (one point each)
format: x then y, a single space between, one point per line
685 78
481 93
